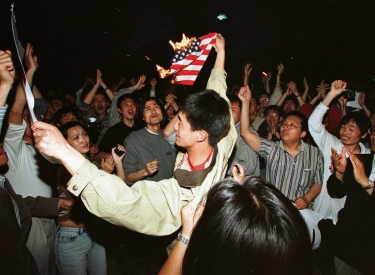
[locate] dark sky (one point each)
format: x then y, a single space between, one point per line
317 39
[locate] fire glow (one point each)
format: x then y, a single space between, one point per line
183 45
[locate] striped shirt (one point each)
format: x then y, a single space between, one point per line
292 176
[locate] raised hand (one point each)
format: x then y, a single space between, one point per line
140 84
116 158
190 217
305 84
248 69
153 83
30 60
337 87
293 87
361 99
170 99
7 71
238 173
339 161
280 69
244 94
359 170
108 164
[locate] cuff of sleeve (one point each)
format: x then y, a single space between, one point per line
218 71
322 107
84 175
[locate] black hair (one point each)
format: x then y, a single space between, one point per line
363 122
65 128
235 99
62 111
256 100
248 229
292 98
141 108
207 111
273 108
122 98
304 120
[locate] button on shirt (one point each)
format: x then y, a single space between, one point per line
292 176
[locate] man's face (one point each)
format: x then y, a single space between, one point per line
99 104
291 129
152 113
272 118
263 99
56 104
289 106
350 133
170 112
236 111
128 109
254 107
185 137
65 118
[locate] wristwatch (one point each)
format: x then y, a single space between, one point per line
182 239
370 185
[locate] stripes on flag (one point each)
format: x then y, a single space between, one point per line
187 70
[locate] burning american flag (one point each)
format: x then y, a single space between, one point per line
190 56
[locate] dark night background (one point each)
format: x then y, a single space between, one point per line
316 39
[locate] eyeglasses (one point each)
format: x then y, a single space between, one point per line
274 115
264 98
288 125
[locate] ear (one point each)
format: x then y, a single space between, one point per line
303 134
364 135
201 135
119 110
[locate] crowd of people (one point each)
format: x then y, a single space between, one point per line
234 182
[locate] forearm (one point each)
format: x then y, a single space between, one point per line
267 87
281 100
366 110
313 192
173 265
328 99
169 129
301 101
90 95
220 59
36 92
70 158
15 114
136 176
120 171
251 139
4 91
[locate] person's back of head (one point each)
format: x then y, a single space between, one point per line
207 111
248 229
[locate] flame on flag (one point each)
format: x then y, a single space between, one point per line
190 56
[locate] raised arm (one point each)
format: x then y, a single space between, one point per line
283 97
153 83
266 82
90 95
247 72
250 138
306 89
16 112
361 102
280 69
337 87
293 87
6 75
107 90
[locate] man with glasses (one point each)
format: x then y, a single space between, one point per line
293 166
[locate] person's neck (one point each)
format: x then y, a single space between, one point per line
261 110
293 147
128 122
154 128
354 148
199 153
